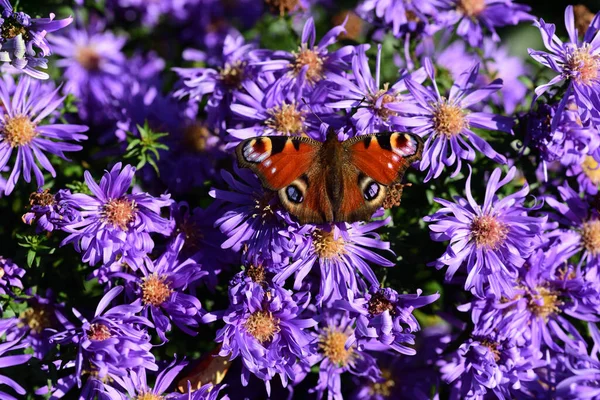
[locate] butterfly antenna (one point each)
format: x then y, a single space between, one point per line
312 111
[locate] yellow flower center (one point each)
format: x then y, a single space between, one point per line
282 7
263 207
385 386
119 213
195 137
286 119
310 58
155 290
333 344
36 318
88 58
590 236
591 168
471 8
44 198
379 304
584 65
262 325
488 232
326 246
449 119
19 130
257 273
11 29
148 396
386 97
98 332
2 272
544 303
232 75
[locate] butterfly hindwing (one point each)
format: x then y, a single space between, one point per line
384 156
277 160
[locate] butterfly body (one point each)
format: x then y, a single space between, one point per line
330 181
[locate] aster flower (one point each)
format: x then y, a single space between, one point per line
205 392
575 61
445 123
22 131
471 17
161 290
10 276
8 358
401 16
342 252
338 353
376 114
50 212
93 68
114 222
23 41
267 332
484 365
386 316
308 65
491 242
135 383
110 342
220 82
587 174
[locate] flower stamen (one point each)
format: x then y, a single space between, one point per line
582 65
312 59
333 344
488 232
590 236
449 119
19 130
591 169
119 213
326 246
286 119
88 58
471 8
98 332
155 290
262 325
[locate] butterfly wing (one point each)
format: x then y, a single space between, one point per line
374 162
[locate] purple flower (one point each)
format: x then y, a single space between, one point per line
401 16
267 332
93 68
471 17
575 62
491 241
205 392
161 290
115 222
111 342
9 359
10 276
23 131
587 173
386 316
308 65
446 122
135 383
377 114
50 212
23 41
342 252
485 364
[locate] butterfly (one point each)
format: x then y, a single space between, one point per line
330 181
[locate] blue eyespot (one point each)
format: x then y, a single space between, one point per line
293 194
371 191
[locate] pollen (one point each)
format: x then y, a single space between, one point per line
88 58
262 325
544 302
98 332
232 75
449 119
591 169
488 232
582 66
326 246
257 273
312 59
155 290
378 304
590 236
333 344
43 199
36 318
19 130
263 208
286 119
386 97
119 213
282 7
11 29
492 347
148 396
2 273
195 137
384 387
471 8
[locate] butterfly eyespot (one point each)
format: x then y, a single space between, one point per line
371 191
293 194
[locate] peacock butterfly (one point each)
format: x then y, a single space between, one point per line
330 181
